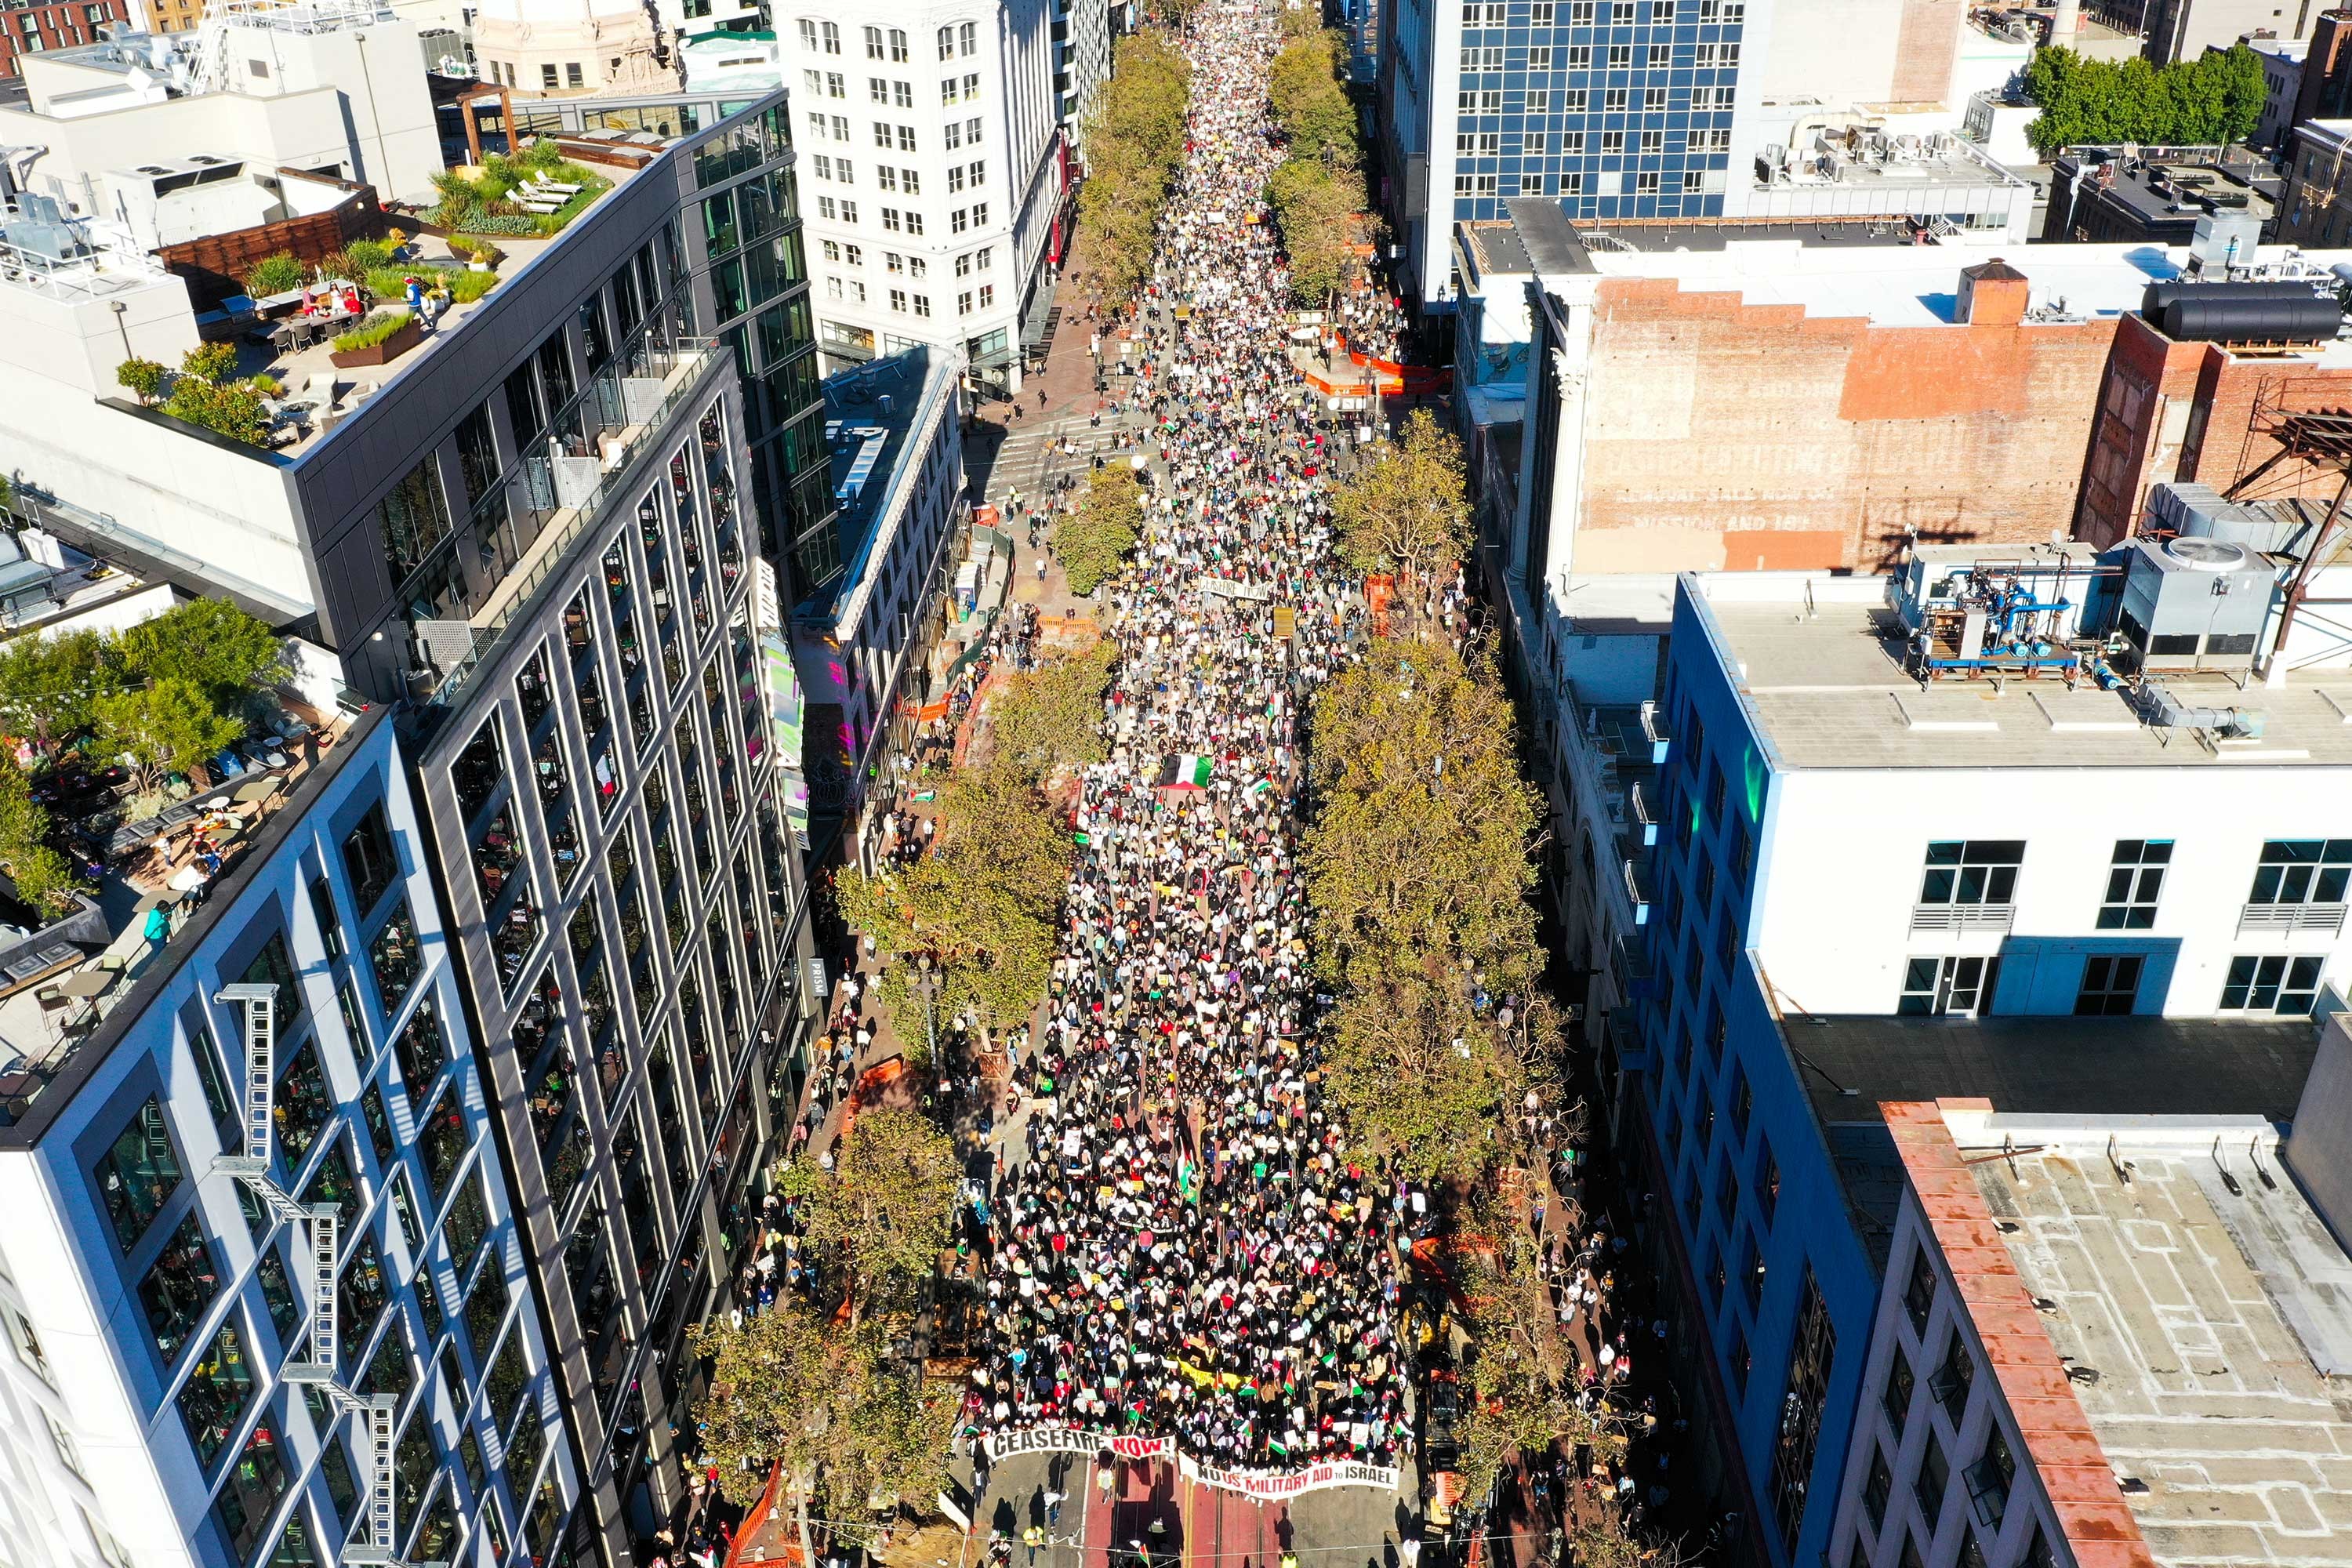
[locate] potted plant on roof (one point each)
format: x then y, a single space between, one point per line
379 339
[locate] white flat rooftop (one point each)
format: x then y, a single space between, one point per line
1915 285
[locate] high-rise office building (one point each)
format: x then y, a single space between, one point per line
1649 111
935 179
539 530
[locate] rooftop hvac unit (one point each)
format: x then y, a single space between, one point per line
2194 603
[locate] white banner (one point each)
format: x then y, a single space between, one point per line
1067 1440
1289 1484
1267 1486
1232 589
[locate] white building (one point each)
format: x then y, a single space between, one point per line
158 1402
861 642
572 47
329 87
933 177
1082 39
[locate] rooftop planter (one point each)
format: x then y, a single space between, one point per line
379 339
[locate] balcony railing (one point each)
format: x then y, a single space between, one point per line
1634 891
1962 917
562 507
2290 917
1654 726
1646 818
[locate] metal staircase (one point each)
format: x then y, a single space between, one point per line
317 1370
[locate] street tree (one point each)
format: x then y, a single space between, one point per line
1047 722
1092 542
1408 510
883 1208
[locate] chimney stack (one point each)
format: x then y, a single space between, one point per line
1992 294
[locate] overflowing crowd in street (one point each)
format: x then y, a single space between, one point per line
1178 1245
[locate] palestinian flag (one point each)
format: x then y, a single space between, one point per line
1189 771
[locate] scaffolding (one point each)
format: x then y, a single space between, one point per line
320 1226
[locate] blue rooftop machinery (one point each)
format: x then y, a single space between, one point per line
1967 613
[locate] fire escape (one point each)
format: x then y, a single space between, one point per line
324 1233
2309 442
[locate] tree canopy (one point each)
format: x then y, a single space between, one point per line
1409 509
2212 101
1318 196
884 1207
1048 721
1093 540
1134 140
984 905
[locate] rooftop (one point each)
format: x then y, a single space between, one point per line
2198 1310
1827 689
2176 193
2058 1066
871 413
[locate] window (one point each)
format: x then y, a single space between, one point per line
1971 872
816 120
180 1285
1573 99
947 43
1539 57
1653 98
832 37
1579 13
885 176
1660 11
912 180
1874 1490
950 136
899 46
369 857
1475 57
547 78
1919 1291
841 128
1621 57
1653 141
955 179
832 249
2110 987
138 1175
984 258
898 300
1955 987
827 208
213 1400
1693 180
2272 983
1538 100
2302 871
413 518
1810 1356
967 38
1660 56
2133 883
1954 1376
987 295
1989 1480
1612 141
882 135
906 139
877 89
1534 144
963 303
1572 144
1540 14
572 76
960 219
1935 1476
1579 56
873 40
255 1483
971 132
890 219
922 304
1896 1398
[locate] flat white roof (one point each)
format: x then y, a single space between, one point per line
1911 285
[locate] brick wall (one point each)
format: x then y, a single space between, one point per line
2190 411
1721 433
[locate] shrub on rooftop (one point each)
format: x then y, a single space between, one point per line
378 328
278 274
143 378
212 361
369 254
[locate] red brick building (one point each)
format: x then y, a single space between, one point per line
30 29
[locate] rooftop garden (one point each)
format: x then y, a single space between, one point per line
105 729
530 195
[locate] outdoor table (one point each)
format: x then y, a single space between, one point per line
87 983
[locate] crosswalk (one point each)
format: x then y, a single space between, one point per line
1028 458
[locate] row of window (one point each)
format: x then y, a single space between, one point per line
851 254
1587 13
1475 57
1471 102
961 177
852 290
1969 873
901 95
902 220
1578 183
954 40
1962 984
1576 143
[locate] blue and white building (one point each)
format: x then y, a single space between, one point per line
1698 110
200 1369
1849 887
